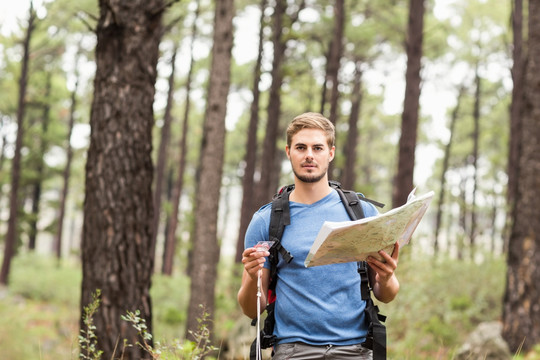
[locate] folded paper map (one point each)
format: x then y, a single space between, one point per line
340 242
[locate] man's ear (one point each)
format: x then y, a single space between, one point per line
332 153
288 151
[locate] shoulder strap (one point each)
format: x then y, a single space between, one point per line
279 218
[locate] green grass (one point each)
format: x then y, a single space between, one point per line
438 305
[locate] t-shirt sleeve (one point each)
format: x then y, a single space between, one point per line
369 209
258 229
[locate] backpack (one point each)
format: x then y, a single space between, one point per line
280 217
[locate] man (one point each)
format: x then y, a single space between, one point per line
319 313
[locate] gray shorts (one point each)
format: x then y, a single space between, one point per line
301 351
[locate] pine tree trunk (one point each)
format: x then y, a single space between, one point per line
516 110
332 70
521 313
403 182
163 154
170 241
118 207
442 180
265 188
11 235
205 245
40 168
67 169
474 161
250 158
348 177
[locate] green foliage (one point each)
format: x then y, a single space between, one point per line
41 278
440 303
87 338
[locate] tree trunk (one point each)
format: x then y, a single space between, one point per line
474 162
118 207
40 168
516 109
403 182
265 188
67 169
205 244
268 183
521 313
250 158
348 177
442 180
170 241
163 154
11 235
332 69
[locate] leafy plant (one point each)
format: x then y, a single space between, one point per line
88 338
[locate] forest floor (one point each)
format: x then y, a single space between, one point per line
438 306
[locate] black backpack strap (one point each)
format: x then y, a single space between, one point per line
279 218
351 200
376 339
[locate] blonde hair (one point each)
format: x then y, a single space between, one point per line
312 120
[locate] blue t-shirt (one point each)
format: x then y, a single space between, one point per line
318 305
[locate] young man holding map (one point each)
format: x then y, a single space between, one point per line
319 312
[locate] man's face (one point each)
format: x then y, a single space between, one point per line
310 155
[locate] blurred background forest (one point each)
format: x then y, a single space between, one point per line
137 138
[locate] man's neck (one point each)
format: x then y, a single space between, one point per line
309 193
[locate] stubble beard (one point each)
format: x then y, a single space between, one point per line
309 178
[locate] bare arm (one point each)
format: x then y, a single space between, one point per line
382 275
253 261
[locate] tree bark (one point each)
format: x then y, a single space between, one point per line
521 328
11 235
205 244
516 109
403 182
118 207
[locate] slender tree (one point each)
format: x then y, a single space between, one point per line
516 106
444 170
348 177
474 159
521 313
170 240
333 64
163 152
40 166
118 207
11 235
250 157
205 244
67 168
267 185
403 182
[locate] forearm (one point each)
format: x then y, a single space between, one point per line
247 297
386 291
